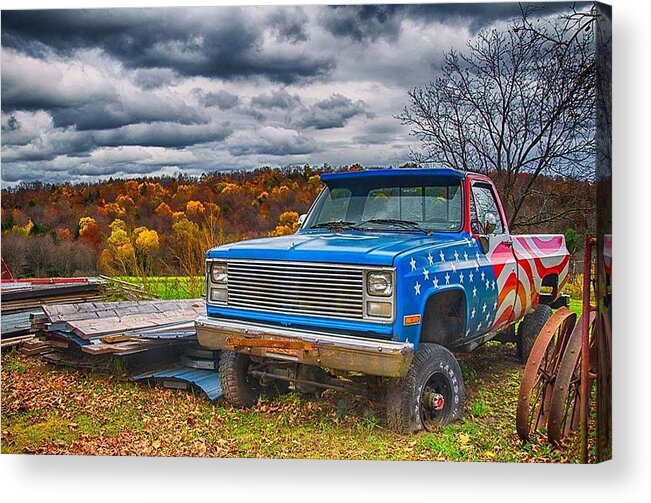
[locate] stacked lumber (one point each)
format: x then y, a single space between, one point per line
26 295
117 328
155 340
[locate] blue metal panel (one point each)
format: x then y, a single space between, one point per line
319 245
288 320
207 380
455 265
399 173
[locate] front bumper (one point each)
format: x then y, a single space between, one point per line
368 356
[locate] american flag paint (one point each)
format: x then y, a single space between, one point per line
500 286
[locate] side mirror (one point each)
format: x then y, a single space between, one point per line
301 220
490 224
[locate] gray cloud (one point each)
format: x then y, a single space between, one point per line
272 141
333 112
208 42
162 134
124 92
221 99
363 23
277 99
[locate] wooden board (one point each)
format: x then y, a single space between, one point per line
104 318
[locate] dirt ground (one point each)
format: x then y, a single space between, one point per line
56 410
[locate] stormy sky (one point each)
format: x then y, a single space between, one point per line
129 92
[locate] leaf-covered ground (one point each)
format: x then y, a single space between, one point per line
54 410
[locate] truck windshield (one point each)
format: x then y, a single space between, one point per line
397 206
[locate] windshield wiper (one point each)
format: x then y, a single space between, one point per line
405 224
338 224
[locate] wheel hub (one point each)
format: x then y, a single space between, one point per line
434 401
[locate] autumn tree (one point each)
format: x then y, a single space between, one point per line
515 105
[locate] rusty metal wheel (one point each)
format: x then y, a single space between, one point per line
540 372
564 410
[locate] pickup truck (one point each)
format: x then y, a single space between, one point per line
390 271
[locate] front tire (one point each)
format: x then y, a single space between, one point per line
530 328
431 394
240 389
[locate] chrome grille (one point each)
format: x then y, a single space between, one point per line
309 289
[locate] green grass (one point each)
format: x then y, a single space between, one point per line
170 287
51 410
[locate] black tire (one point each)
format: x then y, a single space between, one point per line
414 401
529 328
240 389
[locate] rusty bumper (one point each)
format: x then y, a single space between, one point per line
369 356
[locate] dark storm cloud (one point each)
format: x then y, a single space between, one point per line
123 92
270 141
279 98
151 78
290 24
162 134
221 99
364 22
333 112
109 115
206 42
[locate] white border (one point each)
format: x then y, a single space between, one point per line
627 477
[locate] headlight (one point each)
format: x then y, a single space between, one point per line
219 272
379 283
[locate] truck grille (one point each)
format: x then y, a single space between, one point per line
309 289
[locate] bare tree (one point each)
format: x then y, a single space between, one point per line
516 104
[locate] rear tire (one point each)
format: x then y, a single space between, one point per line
529 328
432 392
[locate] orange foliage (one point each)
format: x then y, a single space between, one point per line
163 210
89 231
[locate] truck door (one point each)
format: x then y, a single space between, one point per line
487 223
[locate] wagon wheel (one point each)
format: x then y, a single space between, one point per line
564 410
540 371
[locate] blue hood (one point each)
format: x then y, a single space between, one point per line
347 247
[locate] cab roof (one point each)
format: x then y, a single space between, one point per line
394 172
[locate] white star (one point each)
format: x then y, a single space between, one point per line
461 277
436 282
488 316
474 291
425 273
495 305
483 308
442 256
471 275
479 326
477 256
483 276
417 288
476 266
412 262
454 267
447 278
493 285
472 313
430 259
465 256
471 241
456 255
488 284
